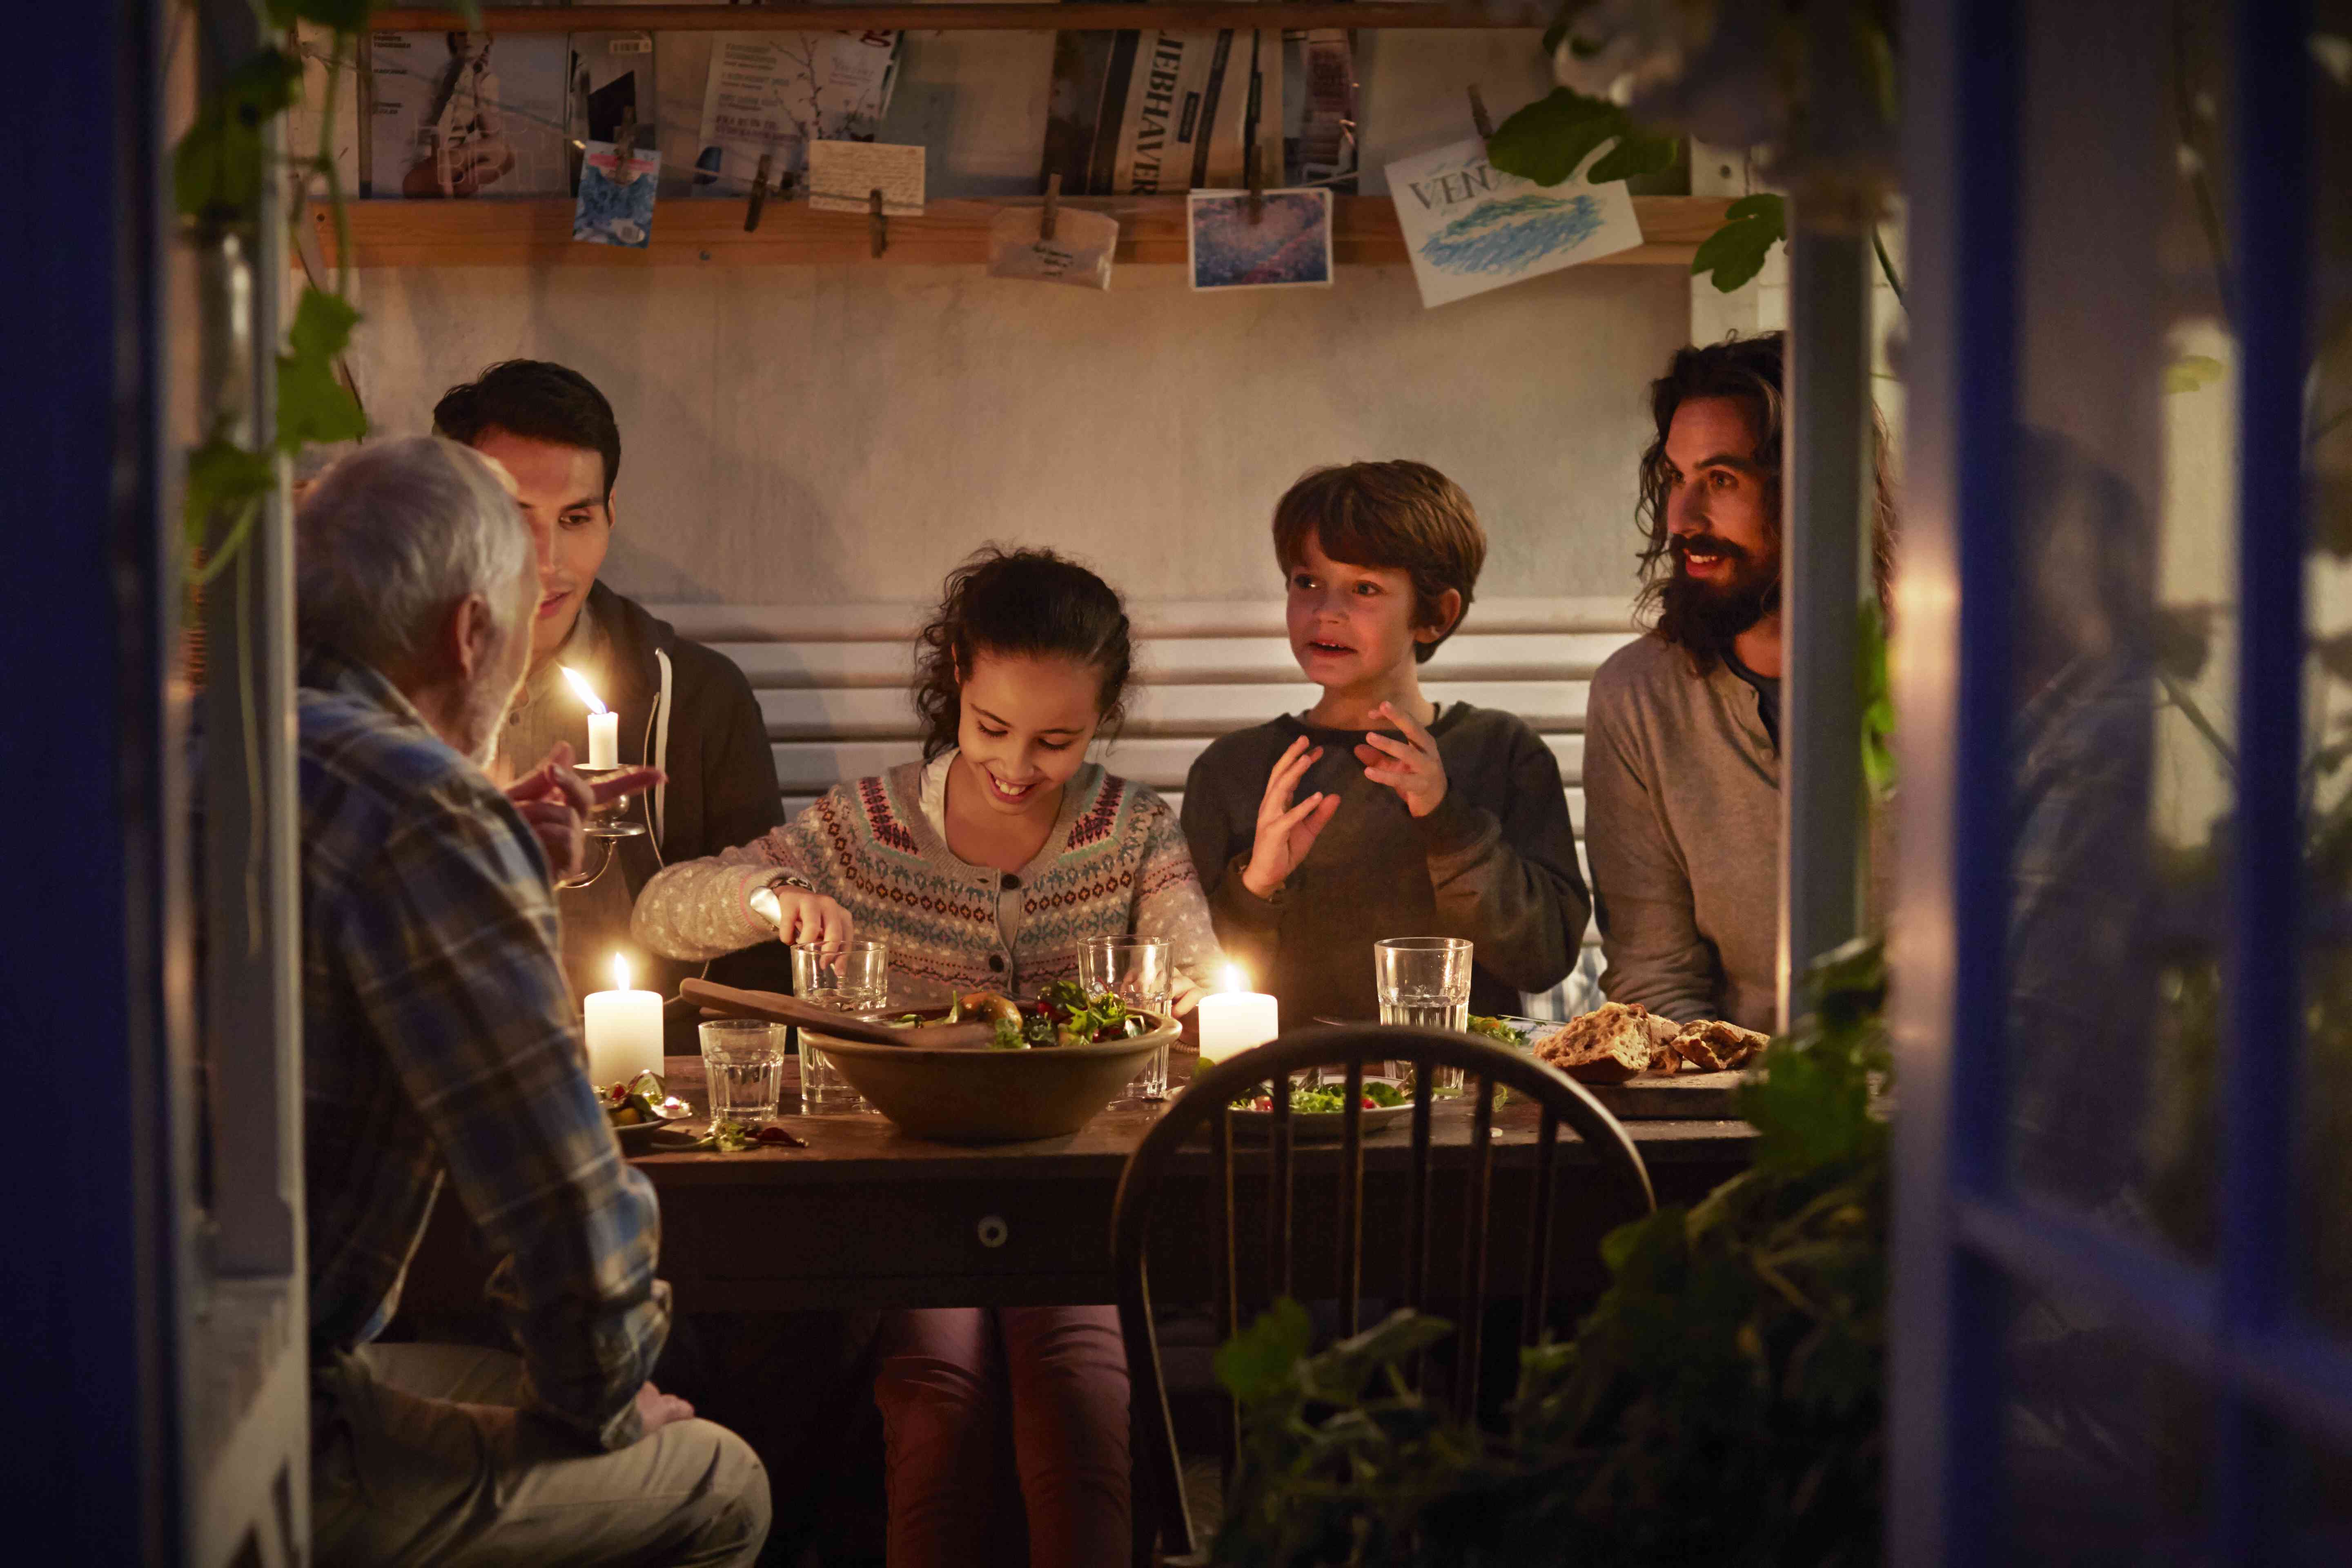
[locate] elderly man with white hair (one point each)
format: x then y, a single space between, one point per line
439 1043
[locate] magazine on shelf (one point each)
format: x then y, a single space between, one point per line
773 93
464 114
612 84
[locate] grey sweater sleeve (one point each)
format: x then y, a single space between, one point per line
1220 822
1506 878
1649 935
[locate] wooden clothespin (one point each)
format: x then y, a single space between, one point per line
624 144
1479 117
758 192
881 225
1052 208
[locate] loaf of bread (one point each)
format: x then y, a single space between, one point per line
1665 1059
1608 1045
1712 1045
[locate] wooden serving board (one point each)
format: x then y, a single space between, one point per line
1684 1097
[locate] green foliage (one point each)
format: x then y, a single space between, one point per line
220 171
219 167
312 404
343 15
2191 372
1877 701
1722 1403
1736 252
1549 140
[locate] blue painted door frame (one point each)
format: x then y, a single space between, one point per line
86 1280
1969 1242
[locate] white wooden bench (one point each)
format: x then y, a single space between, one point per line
832 684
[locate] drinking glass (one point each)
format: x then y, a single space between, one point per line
1141 972
743 1062
852 977
1423 982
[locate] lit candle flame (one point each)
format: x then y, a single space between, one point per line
1235 981
621 975
587 692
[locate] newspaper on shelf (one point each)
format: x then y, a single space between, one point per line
773 93
1157 112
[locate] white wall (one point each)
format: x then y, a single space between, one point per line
810 435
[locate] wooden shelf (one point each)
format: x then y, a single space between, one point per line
1020 16
688 232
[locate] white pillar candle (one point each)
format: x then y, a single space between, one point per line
625 1030
605 740
603 724
1235 1020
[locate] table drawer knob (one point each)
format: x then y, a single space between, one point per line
994 1231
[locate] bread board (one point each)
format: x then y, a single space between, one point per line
1681 1097
1684 1097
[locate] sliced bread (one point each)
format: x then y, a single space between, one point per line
1608 1045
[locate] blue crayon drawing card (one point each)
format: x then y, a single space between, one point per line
1470 227
616 204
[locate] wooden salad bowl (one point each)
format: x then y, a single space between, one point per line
964 1096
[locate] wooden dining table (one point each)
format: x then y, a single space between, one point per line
866 1216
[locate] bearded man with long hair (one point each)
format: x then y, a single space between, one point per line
1682 763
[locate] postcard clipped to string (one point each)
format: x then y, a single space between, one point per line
1079 253
1470 227
842 177
617 200
1288 246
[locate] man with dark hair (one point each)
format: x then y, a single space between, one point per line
1681 744
683 708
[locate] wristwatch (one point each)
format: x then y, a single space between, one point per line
764 899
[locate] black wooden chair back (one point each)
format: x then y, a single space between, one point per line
1204 1107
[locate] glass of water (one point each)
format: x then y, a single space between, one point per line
743 1064
1423 982
854 977
1141 972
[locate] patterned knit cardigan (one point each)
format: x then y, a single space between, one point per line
1114 864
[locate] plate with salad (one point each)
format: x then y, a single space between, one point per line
1316 1113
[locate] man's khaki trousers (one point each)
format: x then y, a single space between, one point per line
422 1457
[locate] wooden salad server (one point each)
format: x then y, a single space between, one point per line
778 1008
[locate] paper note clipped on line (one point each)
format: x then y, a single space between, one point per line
1079 253
1469 227
842 177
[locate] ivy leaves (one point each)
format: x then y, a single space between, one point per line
220 172
1736 252
1549 140
219 167
1723 1403
312 404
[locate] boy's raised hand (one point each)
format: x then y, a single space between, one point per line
1410 766
1285 832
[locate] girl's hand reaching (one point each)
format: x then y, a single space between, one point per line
801 916
1287 832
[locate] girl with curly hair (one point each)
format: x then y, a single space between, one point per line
987 863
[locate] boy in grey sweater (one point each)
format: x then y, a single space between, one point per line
1377 813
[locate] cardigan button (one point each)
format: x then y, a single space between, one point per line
1010 883
996 962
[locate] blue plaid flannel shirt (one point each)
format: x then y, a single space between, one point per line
439 1036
